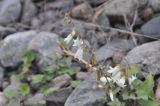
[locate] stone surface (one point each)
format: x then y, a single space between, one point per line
9 11
35 100
118 8
108 50
81 75
147 56
6 31
13 46
29 11
62 80
1 77
151 28
95 2
3 100
59 97
83 11
157 91
61 5
44 44
118 56
87 93
155 4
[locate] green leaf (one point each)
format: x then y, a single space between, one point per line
37 78
44 88
9 93
28 56
51 69
128 96
147 85
141 94
134 69
114 103
24 89
75 83
149 103
69 70
50 90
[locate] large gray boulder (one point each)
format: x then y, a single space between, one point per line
107 51
120 8
44 44
155 4
87 93
151 28
13 47
9 11
29 11
147 56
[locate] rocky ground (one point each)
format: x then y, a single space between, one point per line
114 29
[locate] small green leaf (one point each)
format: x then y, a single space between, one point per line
9 93
149 103
50 90
114 103
147 85
28 56
128 96
24 89
75 83
141 94
134 69
37 78
51 69
69 70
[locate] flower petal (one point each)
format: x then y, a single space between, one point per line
79 53
68 38
103 79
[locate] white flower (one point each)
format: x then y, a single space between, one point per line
100 86
68 38
121 82
132 79
111 95
78 42
116 76
109 79
114 70
79 53
103 79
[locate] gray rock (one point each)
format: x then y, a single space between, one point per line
107 51
151 28
59 97
35 100
81 75
29 11
63 29
83 11
44 44
155 4
87 93
61 81
118 8
95 2
14 102
3 99
1 77
4 31
147 56
13 47
9 11
61 5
